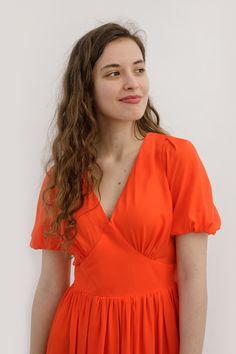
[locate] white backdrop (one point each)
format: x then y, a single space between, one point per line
191 65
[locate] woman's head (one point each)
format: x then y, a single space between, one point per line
89 97
85 87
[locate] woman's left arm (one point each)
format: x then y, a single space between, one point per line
191 253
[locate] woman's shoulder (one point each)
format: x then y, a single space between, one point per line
172 143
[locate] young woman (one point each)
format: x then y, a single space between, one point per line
130 204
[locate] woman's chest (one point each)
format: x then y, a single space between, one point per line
140 211
115 176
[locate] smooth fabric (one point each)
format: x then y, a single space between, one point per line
124 297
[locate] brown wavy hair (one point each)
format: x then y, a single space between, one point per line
73 151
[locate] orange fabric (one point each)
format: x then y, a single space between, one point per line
124 298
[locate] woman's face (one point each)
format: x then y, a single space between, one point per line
126 78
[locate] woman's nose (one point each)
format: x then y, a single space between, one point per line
130 81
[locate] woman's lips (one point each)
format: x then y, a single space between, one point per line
131 100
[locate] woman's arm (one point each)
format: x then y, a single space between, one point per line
54 280
191 252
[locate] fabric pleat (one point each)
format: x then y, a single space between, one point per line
118 325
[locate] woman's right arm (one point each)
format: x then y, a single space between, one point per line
53 282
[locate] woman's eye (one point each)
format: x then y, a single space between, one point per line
115 72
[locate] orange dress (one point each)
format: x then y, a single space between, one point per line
124 297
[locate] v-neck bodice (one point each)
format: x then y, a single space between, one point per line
126 184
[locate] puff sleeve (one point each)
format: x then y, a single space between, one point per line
192 199
38 241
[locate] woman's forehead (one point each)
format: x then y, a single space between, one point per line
118 54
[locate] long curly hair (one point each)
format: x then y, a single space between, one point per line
73 151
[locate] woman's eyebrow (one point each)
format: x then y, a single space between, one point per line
117 65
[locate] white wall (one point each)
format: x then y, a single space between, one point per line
190 57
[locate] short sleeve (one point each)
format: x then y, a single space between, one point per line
38 241
193 206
